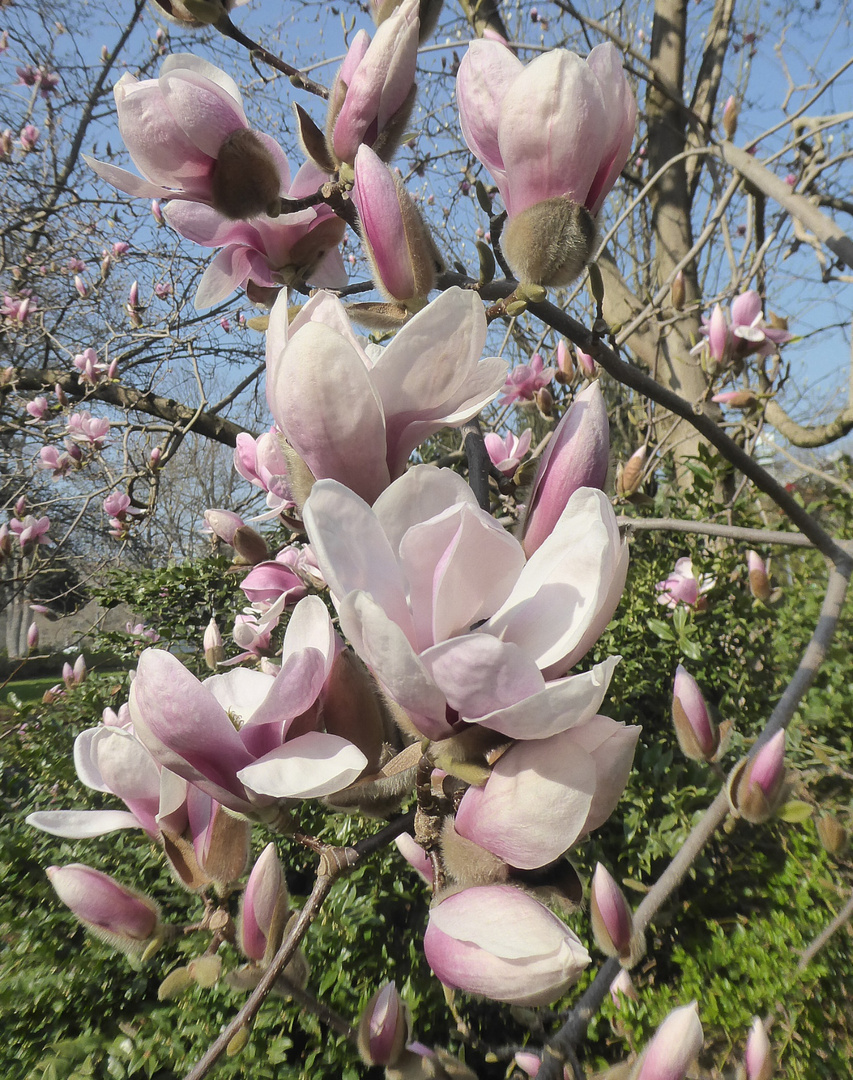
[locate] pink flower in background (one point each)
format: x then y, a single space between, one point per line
76 266
29 137
262 462
90 368
120 247
745 334
85 428
31 532
19 308
162 290
38 409
683 587
27 76
52 458
525 379
506 453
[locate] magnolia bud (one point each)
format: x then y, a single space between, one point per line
756 787
157 212
264 908
758 1058
245 181
736 399
214 651
759 582
383 1029
612 923
731 111
565 368
677 292
122 917
632 473
697 735
832 834
544 401
32 637
622 986
550 242
249 545
674 1048
223 524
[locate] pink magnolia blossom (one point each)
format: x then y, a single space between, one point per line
38 409
120 247
29 137
372 95
222 524
276 578
585 116
117 505
430 376
697 734
499 942
278 750
19 308
57 462
81 286
506 452
31 531
577 456
90 368
85 428
76 266
745 334
524 380
683 587
263 907
612 921
261 461
270 252
413 574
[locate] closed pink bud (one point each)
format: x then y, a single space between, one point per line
757 786
81 286
383 1029
223 523
586 363
565 368
68 675
736 399
678 292
576 457
32 637
674 1048
124 918
79 670
759 1056
154 457
21 506
759 582
112 369
612 922
157 212
264 908
133 295
622 986
697 734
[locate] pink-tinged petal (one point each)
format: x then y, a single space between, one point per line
674 1048
497 941
611 746
552 156
621 111
101 902
228 271
333 516
718 334
377 199
331 272
308 767
128 182
535 803
196 66
577 456
294 693
758 1058
423 492
479 674
126 769
460 566
317 371
485 76
264 892
562 704
746 308
570 587
82 824
269 580
185 727
205 112
385 649
310 627
204 225
415 856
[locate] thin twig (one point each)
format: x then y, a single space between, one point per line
708 528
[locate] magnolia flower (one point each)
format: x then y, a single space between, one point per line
506 453
51 458
29 137
383 1029
31 531
90 369
674 1048
555 172
85 428
277 749
262 462
37 408
499 942
525 379
683 587
412 575
747 332
430 376
275 578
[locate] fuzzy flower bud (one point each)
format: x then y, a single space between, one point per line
550 242
677 293
214 650
696 732
632 473
383 1029
122 917
759 582
731 111
757 786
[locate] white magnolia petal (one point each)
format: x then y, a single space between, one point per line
82 824
308 767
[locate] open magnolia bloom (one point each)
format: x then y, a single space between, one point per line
430 376
439 601
250 739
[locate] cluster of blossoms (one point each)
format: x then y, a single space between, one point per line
744 334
